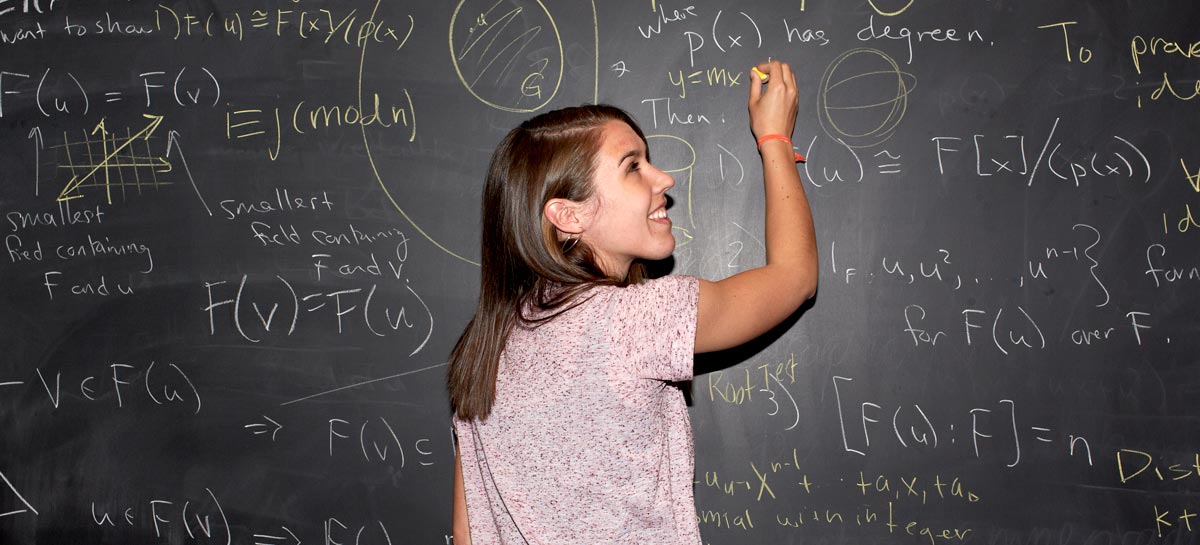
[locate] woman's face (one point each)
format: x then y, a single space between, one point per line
628 210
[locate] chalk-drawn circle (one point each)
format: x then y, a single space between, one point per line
504 55
374 163
863 96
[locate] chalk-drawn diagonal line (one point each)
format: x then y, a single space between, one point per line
173 145
533 34
145 133
470 44
365 382
28 507
498 27
752 236
1043 153
525 38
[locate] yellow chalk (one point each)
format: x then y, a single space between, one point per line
761 76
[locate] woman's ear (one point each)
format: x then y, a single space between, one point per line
565 215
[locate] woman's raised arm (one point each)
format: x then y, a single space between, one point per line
739 308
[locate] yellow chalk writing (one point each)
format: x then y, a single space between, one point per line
1140 46
324 25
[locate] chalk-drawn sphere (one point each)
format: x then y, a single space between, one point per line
863 97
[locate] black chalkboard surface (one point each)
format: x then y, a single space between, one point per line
239 243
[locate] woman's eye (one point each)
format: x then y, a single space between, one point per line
634 166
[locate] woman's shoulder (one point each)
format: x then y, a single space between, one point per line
671 291
655 294
672 283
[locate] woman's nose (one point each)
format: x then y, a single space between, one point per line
668 181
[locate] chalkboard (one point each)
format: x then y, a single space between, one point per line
240 241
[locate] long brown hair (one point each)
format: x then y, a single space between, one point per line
523 263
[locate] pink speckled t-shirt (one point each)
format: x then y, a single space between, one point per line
588 442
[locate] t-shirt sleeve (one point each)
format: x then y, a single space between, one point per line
655 326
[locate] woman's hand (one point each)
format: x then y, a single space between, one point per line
773 107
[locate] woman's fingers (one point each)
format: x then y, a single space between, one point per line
755 86
789 79
765 68
773 106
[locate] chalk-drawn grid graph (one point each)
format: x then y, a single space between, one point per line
111 164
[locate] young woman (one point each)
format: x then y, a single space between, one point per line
569 427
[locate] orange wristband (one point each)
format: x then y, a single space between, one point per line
769 137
